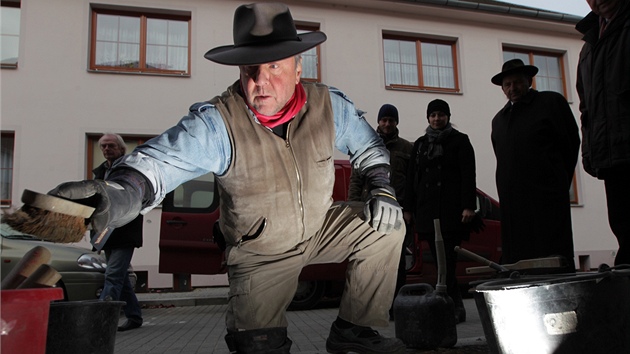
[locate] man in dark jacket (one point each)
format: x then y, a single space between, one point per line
399 153
603 84
120 244
535 140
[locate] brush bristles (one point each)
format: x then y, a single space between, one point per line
47 225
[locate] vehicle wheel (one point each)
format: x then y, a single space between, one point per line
307 295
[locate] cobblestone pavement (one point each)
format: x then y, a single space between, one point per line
194 323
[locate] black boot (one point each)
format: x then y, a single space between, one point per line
460 314
460 310
359 339
259 341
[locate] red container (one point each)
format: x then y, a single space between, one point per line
24 322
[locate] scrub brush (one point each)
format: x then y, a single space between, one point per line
50 218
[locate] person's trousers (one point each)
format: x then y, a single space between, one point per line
117 284
401 277
617 184
261 287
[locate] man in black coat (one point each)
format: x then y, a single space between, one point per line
120 244
603 84
535 140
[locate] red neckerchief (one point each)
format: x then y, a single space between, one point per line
289 110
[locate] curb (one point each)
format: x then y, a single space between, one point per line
183 302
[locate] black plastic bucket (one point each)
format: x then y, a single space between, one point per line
424 318
83 327
571 313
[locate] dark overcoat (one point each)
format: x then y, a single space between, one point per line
603 85
441 188
536 144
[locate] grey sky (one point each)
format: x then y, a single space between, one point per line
573 7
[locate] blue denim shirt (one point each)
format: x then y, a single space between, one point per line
199 144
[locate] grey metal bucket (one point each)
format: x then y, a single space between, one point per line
580 313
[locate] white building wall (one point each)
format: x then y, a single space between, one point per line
51 101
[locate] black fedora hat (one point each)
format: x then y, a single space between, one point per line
514 66
263 32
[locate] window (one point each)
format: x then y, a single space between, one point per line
550 75
95 156
420 63
198 193
310 59
7 140
131 40
9 33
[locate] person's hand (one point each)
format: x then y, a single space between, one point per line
475 224
382 210
408 216
467 215
115 205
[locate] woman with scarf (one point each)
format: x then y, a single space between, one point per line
441 185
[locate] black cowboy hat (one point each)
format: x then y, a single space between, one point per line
263 32
514 66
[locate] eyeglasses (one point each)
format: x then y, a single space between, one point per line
110 146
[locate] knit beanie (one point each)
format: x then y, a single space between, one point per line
387 110
438 105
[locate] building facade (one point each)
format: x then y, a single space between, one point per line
74 69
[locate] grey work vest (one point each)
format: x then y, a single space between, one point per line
276 192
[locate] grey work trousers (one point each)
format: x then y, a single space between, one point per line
261 287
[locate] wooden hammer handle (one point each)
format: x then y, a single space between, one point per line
44 277
478 258
37 256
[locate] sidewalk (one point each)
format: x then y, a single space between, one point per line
193 322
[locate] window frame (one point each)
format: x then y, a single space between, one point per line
418 39
143 14
573 192
302 26
6 134
531 52
13 4
92 148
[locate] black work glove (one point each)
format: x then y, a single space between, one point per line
117 200
476 225
381 209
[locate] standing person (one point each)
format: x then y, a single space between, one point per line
121 243
536 142
603 85
269 139
441 184
399 152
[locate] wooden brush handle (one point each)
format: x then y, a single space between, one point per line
44 277
56 204
26 266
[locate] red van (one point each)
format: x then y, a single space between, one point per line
187 246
